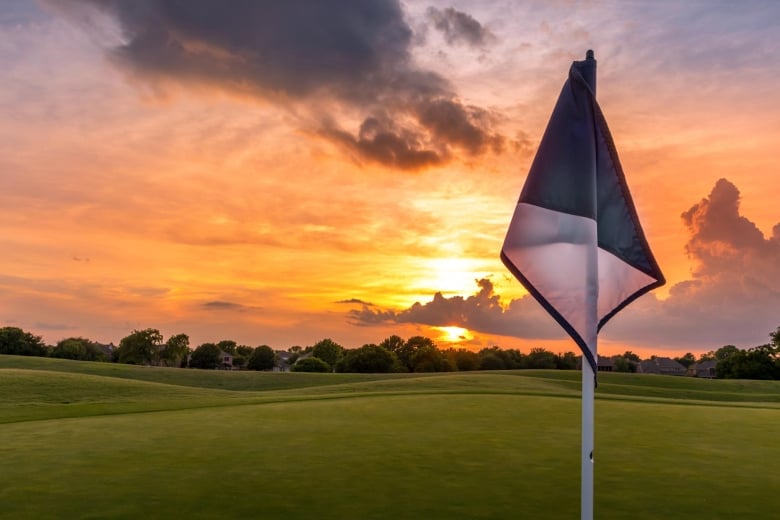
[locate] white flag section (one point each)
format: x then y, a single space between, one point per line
575 241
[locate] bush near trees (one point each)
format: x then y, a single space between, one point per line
311 364
328 350
207 356
262 358
80 349
17 342
140 347
371 359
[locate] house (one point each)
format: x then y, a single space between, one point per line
603 364
282 363
705 369
662 366
227 360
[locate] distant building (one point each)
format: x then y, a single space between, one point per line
282 361
705 369
663 366
604 364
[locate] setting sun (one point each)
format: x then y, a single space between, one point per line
453 334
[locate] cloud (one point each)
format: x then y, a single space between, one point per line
355 300
219 305
481 312
733 296
459 27
318 59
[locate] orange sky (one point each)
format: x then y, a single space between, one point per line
137 192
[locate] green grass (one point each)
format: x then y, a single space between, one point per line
91 440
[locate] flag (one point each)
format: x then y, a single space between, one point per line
575 241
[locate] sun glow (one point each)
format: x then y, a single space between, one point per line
453 334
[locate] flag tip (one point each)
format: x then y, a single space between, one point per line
589 54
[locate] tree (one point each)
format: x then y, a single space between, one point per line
15 341
624 364
775 336
406 351
540 358
726 352
80 349
368 359
630 356
687 360
141 347
393 343
244 351
207 356
228 346
491 361
428 358
328 350
755 363
462 359
175 351
262 358
311 364
566 361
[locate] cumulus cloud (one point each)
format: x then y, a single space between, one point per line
314 57
733 296
458 27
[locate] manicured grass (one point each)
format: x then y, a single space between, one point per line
101 441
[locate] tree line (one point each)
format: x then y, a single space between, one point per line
393 354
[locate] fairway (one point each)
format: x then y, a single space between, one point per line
135 443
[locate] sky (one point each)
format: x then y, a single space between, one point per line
280 173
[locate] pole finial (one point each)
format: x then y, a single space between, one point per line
589 54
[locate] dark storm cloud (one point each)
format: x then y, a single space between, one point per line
352 54
459 27
732 298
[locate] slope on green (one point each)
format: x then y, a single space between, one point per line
86 440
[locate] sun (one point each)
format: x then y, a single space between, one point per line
452 334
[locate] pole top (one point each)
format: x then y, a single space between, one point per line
589 54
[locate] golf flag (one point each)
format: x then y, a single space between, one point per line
575 241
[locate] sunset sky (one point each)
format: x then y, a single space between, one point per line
279 173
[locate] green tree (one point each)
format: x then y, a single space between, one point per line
80 349
428 358
328 350
15 341
462 359
244 351
566 361
228 346
141 347
406 351
368 359
262 358
175 351
687 360
491 361
311 364
624 364
207 356
630 356
725 352
775 336
540 358
756 363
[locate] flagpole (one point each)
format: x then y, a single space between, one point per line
586 482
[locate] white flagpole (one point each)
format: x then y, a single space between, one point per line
586 482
